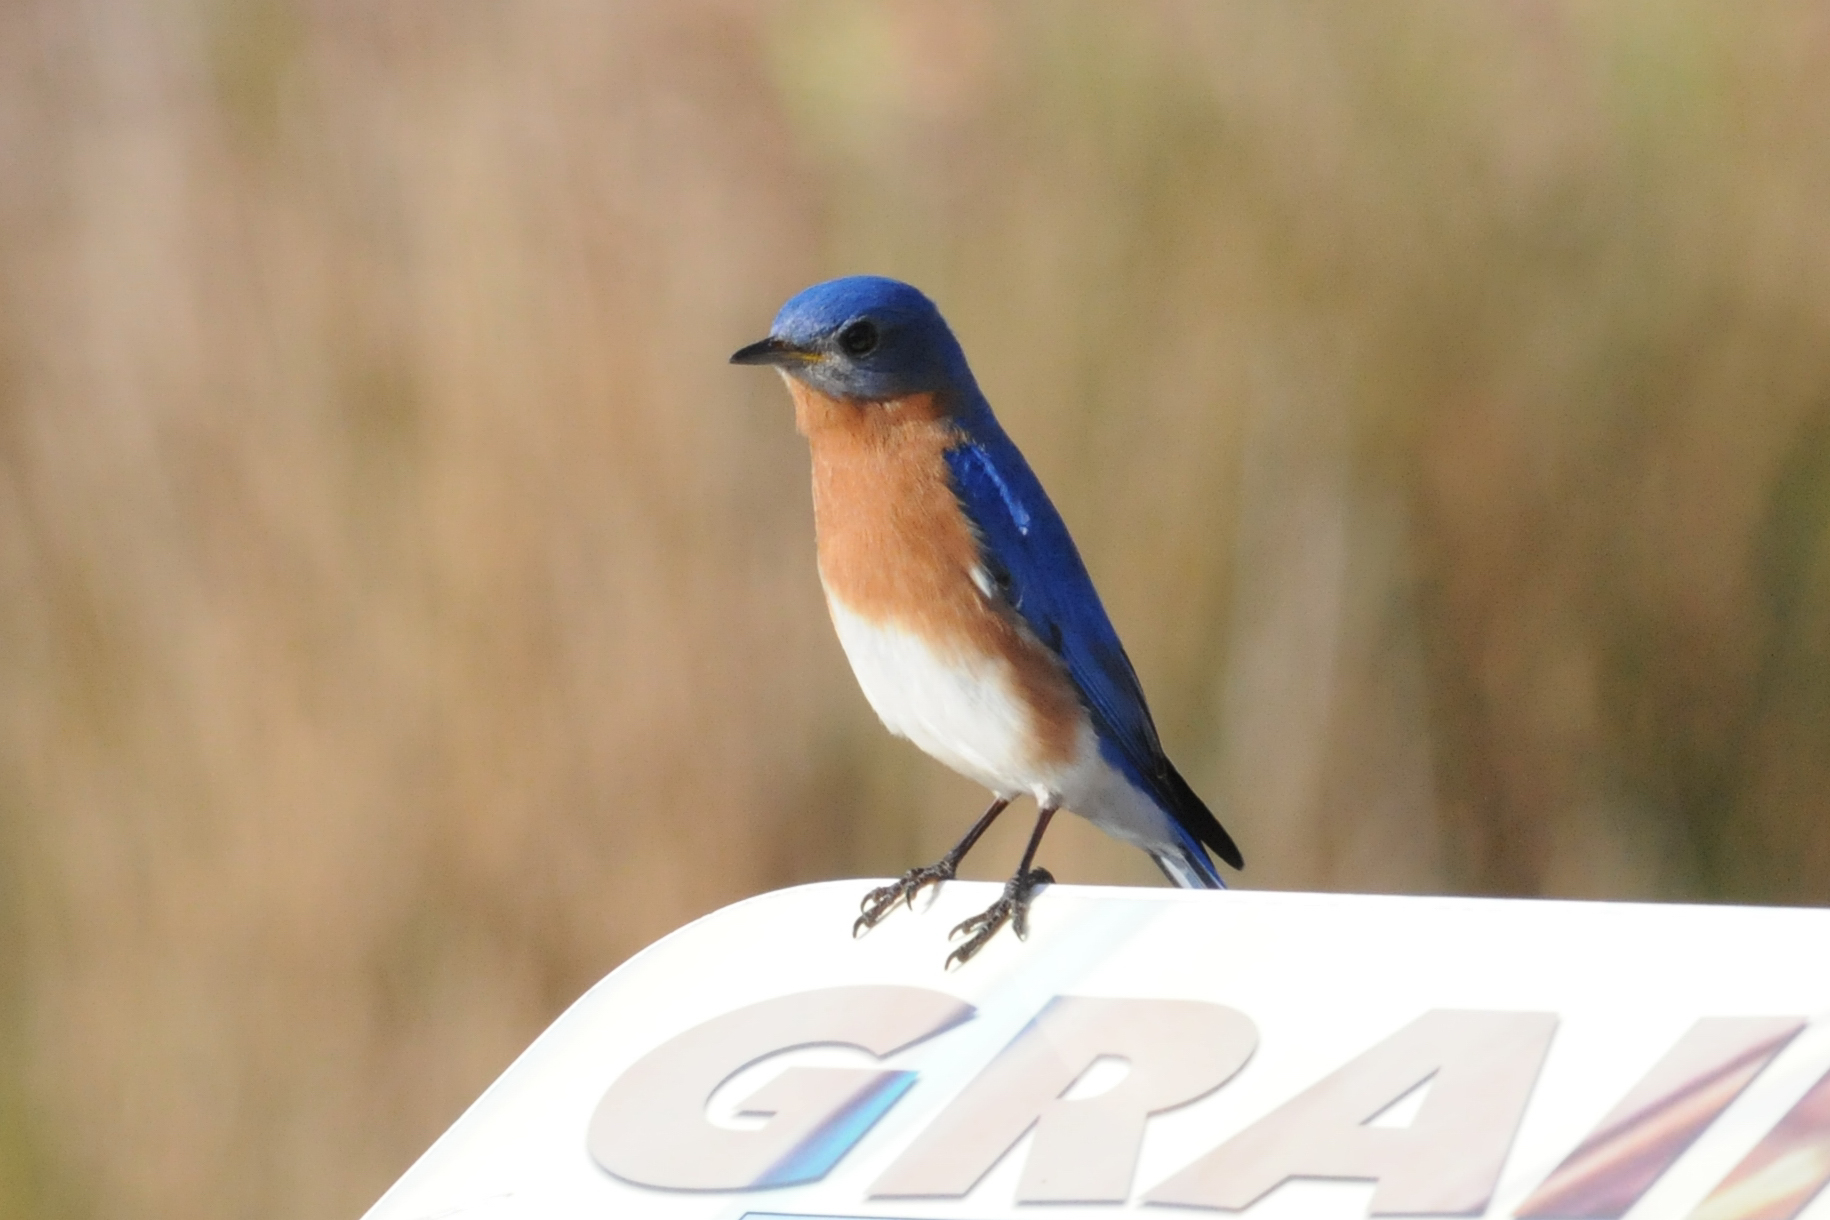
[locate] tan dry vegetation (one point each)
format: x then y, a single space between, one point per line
406 615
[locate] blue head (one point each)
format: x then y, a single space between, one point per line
864 337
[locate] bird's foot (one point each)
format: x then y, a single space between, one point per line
878 904
1011 908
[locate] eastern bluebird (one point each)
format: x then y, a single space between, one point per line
960 599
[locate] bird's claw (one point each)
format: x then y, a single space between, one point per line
877 904
1012 907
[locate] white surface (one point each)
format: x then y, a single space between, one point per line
1324 977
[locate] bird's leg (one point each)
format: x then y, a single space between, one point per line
881 901
1013 906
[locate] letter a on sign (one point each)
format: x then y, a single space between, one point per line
1481 1067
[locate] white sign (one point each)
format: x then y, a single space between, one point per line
1176 1054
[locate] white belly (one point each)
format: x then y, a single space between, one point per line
965 712
962 710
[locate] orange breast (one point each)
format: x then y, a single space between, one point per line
895 547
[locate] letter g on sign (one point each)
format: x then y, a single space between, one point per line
651 1127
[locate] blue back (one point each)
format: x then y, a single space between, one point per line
1030 555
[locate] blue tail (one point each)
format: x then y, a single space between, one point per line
1189 867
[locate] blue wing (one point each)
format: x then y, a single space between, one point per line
1027 551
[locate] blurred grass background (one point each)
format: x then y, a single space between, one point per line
405 614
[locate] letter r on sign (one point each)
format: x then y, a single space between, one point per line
1085 1149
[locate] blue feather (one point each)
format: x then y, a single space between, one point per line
1027 548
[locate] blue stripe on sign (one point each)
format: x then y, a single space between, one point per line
814 1157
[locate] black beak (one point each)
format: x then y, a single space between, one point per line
773 351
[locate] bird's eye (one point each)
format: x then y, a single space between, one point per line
859 339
